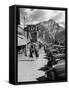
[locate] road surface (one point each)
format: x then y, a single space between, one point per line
28 69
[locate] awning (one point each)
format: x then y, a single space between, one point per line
22 40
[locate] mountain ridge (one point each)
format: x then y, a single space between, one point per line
51 29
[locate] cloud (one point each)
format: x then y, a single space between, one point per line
59 17
38 15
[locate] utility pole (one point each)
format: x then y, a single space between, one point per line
24 24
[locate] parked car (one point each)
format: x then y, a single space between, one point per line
57 71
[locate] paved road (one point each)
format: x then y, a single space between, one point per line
28 70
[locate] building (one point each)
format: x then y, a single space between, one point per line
32 32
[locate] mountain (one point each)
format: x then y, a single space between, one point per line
60 36
51 31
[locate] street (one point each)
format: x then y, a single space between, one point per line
28 68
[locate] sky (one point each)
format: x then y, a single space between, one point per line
34 16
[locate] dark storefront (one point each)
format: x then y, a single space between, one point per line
31 32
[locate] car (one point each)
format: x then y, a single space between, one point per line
56 72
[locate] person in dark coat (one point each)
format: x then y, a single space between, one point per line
31 50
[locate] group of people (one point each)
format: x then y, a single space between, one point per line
34 50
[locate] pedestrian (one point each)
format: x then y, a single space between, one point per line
31 51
